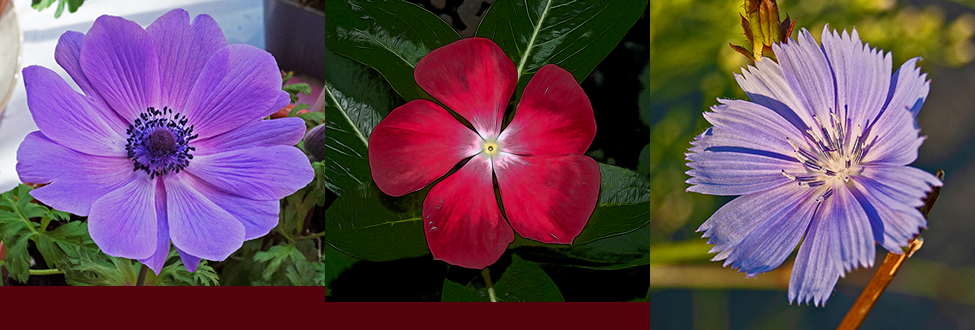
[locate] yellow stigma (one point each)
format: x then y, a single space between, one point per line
490 147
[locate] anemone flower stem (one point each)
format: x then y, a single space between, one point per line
53 271
885 273
490 286
143 272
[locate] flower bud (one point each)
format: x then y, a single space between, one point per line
763 28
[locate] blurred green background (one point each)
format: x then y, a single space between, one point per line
648 96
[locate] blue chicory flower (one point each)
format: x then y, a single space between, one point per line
819 156
167 142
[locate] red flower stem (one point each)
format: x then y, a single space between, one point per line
892 263
486 273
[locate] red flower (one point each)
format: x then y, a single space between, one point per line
548 188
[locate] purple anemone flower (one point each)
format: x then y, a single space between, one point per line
167 142
820 156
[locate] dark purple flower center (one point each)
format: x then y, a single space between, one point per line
158 142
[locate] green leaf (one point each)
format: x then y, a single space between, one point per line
74 4
626 203
52 243
354 99
90 266
176 274
276 255
17 259
523 280
41 4
333 263
526 281
294 89
574 34
455 292
622 252
361 225
388 35
16 229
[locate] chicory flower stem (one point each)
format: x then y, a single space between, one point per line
885 273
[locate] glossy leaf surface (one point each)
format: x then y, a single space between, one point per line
388 35
574 34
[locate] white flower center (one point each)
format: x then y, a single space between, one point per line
835 153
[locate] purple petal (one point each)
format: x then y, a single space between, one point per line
257 216
815 271
197 225
190 261
729 171
239 84
119 59
807 72
76 179
183 50
123 222
68 55
262 133
262 173
158 258
862 75
851 228
72 119
757 232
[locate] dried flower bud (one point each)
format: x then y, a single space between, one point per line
763 28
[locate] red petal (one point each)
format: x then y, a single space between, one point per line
554 117
473 77
548 198
462 220
416 144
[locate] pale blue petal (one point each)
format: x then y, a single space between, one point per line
890 195
777 219
729 171
852 228
765 84
895 128
745 124
862 75
816 268
807 72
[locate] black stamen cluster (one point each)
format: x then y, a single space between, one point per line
158 144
